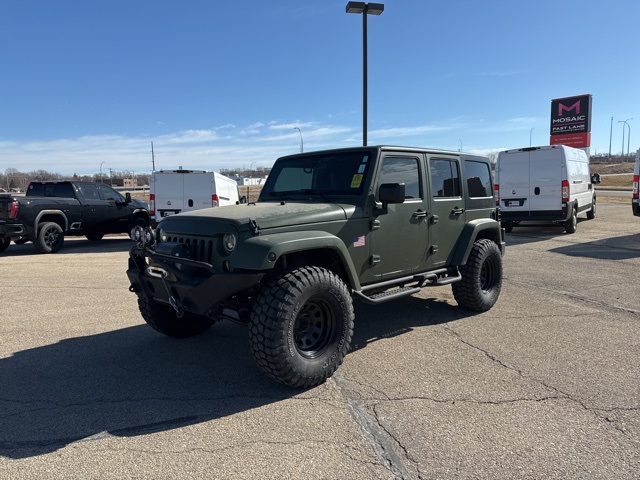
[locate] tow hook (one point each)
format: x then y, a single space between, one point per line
173 301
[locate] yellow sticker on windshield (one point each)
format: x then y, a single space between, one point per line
356 180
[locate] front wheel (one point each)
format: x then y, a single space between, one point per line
50 238
94 236
591 214
301 326
163 318
481 277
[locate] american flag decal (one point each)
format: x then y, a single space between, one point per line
358 241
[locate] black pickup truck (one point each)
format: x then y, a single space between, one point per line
50 210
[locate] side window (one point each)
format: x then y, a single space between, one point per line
402 170
478 178
89 191
107 193
445 177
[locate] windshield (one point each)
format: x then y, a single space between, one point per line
322 174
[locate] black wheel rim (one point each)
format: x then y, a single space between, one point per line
50 237
487 276
314 328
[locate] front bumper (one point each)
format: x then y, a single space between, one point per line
194 286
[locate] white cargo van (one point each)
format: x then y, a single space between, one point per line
544 184
636 186
175 191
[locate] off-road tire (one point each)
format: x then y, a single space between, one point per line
481 281
301 326
4 244
571 225
94 236
591 214
163 318
50 238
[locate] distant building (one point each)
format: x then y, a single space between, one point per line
246 181
129 182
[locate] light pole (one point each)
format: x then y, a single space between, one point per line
301 142
610 136
101 163
460 145
364 9
530 133
624 122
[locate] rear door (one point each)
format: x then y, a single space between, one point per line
197 191
545 173
168 190
448 216
514 182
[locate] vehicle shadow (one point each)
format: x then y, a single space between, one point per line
134 381
75 245
388 320
535 232
615 248
127 382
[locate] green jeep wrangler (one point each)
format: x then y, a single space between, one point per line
370 223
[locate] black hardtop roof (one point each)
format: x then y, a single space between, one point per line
385 148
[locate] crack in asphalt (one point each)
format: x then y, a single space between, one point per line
372 429
560 393
598 303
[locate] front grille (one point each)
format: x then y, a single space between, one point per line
200 249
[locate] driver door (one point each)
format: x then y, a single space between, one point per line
401 236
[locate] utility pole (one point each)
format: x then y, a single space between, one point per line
153 159
610 135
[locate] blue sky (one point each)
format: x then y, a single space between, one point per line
217 84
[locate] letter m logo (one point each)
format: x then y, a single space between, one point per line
564 108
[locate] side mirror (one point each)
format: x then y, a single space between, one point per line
389 193
127 197
595 178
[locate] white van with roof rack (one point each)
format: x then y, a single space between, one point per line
548 184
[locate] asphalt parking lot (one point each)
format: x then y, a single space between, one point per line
544 385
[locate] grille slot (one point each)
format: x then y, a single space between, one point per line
200 249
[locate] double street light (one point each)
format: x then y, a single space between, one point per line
628 137
364 9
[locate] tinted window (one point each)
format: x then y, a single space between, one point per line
339 173
108 193
402 170
61 190
478 178
445 177
89 191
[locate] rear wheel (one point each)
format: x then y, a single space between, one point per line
571 225
301 326
50 238
4 244
481 277
163 318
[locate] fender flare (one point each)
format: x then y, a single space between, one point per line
263 251
471 232
42 213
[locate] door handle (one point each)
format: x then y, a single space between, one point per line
457 211
420 214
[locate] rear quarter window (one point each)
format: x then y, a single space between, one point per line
478 185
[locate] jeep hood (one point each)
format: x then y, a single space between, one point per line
266 215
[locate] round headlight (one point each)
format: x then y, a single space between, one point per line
163 235
229 242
